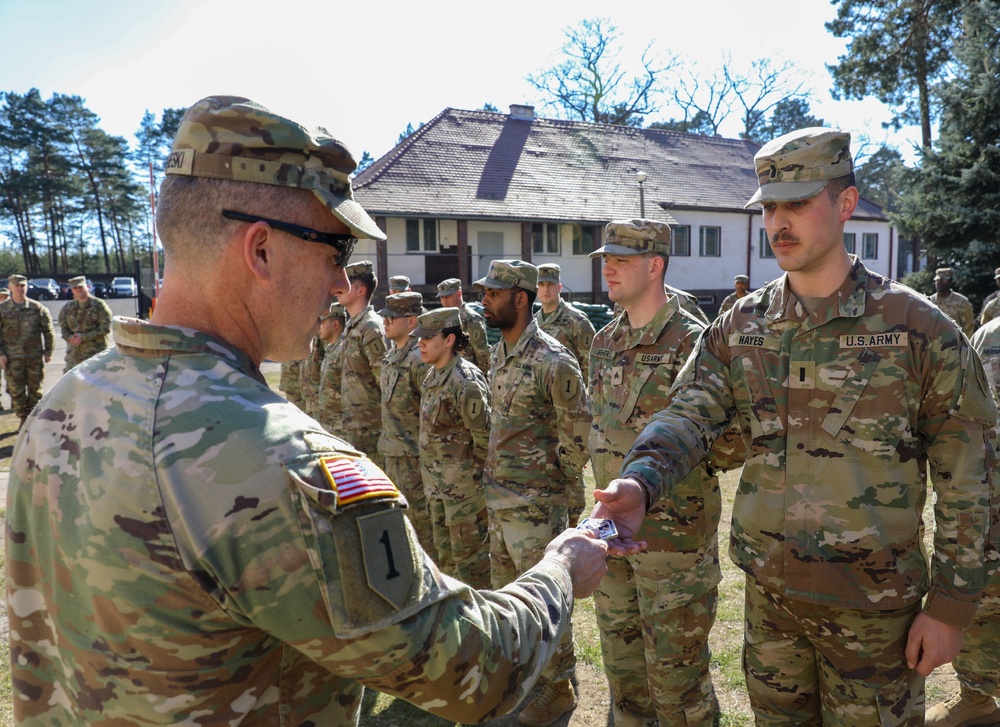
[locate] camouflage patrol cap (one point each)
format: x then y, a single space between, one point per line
943 274
230 137
398 283
356 270
449 286
507 274
5 291
549 273
336 311
798 165
996 273
741 278
17 280
431 324
635 237
399 305
78 281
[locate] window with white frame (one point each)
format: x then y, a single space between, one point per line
710 241
583 239
421 235
680 240
869 242
850 242
765 245
544 239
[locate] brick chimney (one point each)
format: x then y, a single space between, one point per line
522 112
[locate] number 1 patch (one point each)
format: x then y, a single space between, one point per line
387 555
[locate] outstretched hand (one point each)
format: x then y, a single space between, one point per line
624 501
584 556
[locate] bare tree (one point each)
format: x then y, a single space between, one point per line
760 89
591 83
706 98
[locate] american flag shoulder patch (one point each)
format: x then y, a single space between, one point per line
355 479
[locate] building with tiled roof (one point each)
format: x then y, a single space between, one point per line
469 187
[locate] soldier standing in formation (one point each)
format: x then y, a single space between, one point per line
454 436
850 389
228 562
399 284
991 305
328 404
741 285
401 378
571 327
450 295
654 609
4 295
26 342
361 362
290 382
956 305
330 327
85 323
538 431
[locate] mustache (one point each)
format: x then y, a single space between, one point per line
785 237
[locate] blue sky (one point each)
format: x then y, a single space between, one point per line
366 70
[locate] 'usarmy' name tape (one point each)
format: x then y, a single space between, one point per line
861 340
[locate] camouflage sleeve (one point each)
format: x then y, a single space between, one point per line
968 322
48 332
957 419
584 338
103 327
374 607
64 329
679 436
572 412
474 403
374 347
480 345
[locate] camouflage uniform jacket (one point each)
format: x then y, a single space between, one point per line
729 301
290 381
92 320
689 303
474 325
402 376
572 328
958 307
631 372
312 366
214 574
361 362
328 408
25 330
454 435
842 410
991 309
539 422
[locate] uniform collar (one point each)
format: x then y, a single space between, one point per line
846 302
624 337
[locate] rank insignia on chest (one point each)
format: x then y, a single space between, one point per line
355 479
617 375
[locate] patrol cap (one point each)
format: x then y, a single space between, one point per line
549 273
798 165
996 273
336 311
78 282
943 274
741 279
4 291
230 137
635 237
361 267
449 286
400 305
431 324
16 279
398 283
507 274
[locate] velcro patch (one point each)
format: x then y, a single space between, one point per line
652 358
385 550
356 479
868 340
602 353
754 340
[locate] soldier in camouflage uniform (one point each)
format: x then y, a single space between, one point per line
654 609
977 665
741 283
450 295
228 561
361 362
328 405
538 429
26 341
991 309
399 284
4 295
402 376
290 382
571 327
848 388
956 305
454 435
85 323
331 326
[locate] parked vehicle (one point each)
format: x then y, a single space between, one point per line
65 292
124 288
99 288
43 289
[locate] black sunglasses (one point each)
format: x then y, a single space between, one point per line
344 243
